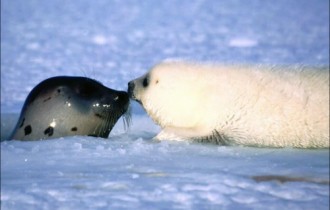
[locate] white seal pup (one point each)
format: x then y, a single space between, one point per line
67 106
237 105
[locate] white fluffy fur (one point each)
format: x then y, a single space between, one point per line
244 105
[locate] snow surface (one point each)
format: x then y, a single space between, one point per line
115 41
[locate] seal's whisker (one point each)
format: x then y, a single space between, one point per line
110 122
103 126
127 119
96 128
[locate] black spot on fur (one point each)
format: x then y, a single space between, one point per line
58 90
98 115
49 131
27 130
74 129
47 99
22 123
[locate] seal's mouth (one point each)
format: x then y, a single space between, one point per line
137 100
108 120
133 97
130 91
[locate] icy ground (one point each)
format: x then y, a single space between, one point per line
115 41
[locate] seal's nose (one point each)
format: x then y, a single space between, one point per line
130 89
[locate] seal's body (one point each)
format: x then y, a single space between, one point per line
66 106
231 104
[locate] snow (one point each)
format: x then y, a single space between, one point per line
130 172
116 41
242 42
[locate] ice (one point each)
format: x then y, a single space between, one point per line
116 41
130 170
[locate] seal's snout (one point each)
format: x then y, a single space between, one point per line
122 97
130 89
118 99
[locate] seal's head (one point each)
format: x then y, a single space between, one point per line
168 94
66 106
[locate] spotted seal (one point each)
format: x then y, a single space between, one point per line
66 106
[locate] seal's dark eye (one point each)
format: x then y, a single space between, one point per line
145 82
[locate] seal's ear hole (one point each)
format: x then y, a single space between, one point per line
157 81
